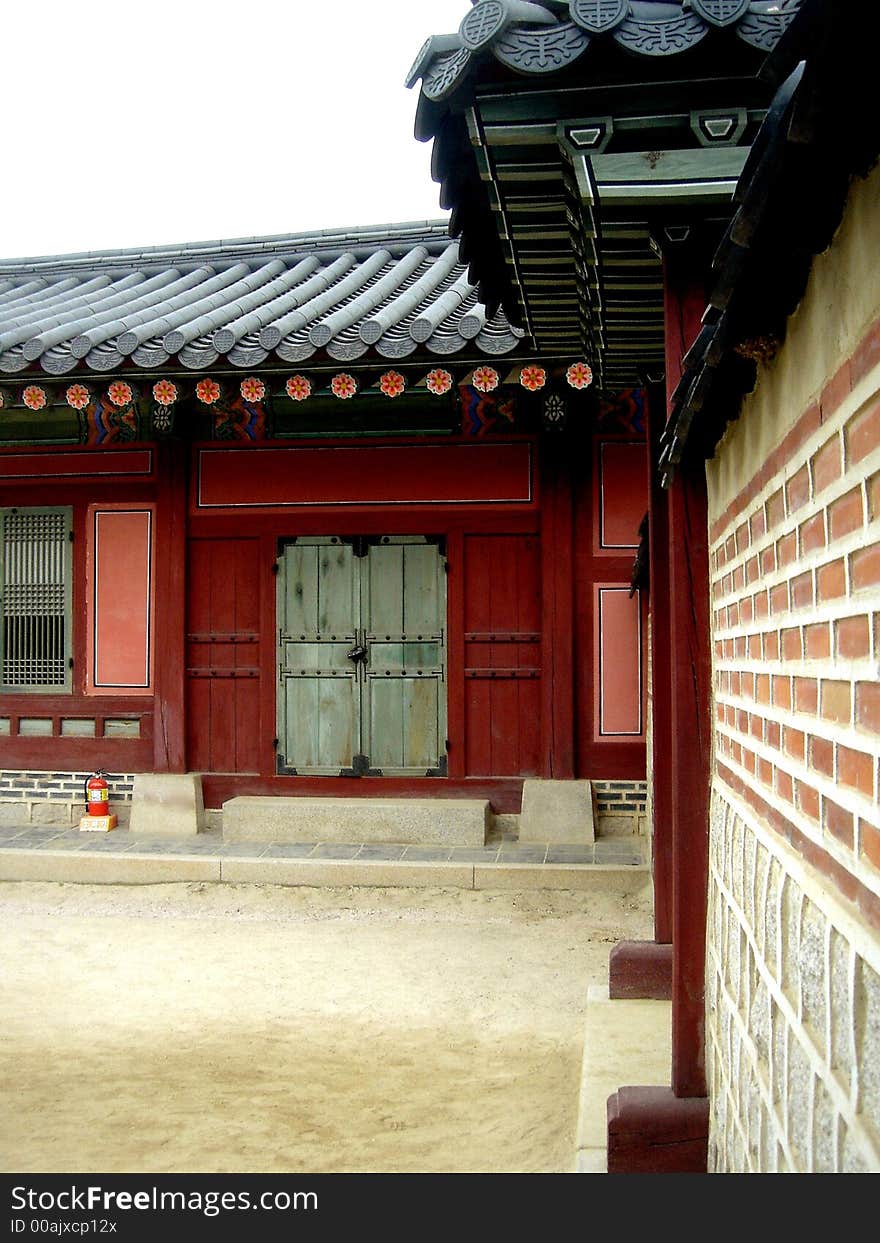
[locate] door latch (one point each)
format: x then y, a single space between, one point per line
358 652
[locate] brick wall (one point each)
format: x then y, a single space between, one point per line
793 970
56 798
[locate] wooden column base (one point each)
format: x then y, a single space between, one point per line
651 1131
640 971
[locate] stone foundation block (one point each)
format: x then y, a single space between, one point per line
167 805
558 811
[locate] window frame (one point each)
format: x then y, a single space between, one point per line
41 688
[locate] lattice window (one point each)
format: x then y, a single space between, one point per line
34 599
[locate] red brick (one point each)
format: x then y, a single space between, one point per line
736 752
775 509
852 638
791 643
743 539
742 721
812 534
784 785
728 649
831 580
802 590
866 568
867 354
779 598
826 465
738 578
749 762
753 570
808 800
772 734
765 771
756 727
797 490
869 840
755 647
739 645
794 743
817 641
836 391
806 694
761 604
771 645
862 434
730 547
822 756
768 560
868 706
781 692
762 688
839 821
846 514
855 769
735 682
757 525
746 609
786 549
837 701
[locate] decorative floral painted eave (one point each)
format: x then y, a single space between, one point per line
256 390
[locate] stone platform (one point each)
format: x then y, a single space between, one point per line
409 821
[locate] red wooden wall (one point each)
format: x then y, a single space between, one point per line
502 598
223 637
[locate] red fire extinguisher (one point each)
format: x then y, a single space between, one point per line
98 794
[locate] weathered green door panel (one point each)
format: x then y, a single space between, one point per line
362 655
319 696
405 626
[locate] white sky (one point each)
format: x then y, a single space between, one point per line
130 124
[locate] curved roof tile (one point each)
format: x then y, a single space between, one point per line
391 290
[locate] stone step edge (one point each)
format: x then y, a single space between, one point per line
85 867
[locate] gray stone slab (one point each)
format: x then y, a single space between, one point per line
557 811
570 854
465 854
95 868
426 854
281 850
428 821
385 853
335 850
510 853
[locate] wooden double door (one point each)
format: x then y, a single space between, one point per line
361 656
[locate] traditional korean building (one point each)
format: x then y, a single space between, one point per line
686 190
306 515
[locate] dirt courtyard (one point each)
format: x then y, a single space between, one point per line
238 1028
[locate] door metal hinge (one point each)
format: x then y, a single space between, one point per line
276 568
274 744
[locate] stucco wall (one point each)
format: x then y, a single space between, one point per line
793 965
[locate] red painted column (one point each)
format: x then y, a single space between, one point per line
557 559
169 724
653 1129
688 773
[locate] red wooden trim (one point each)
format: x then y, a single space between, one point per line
268 477
77 462
600 547
170 628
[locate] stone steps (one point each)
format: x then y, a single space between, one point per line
409 821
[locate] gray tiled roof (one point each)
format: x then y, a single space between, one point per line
392 290
545 37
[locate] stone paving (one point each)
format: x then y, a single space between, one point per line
613 851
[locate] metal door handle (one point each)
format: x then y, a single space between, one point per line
357 653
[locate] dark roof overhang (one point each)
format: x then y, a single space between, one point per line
820 132
568 136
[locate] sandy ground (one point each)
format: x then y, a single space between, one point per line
239 1028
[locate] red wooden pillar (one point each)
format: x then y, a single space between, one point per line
557 559
169 720
658 1129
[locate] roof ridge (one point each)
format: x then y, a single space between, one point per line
344 237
